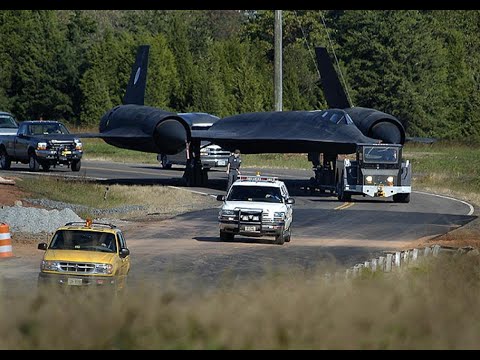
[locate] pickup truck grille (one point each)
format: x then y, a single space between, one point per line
62 146
73 267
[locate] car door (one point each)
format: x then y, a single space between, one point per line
21 142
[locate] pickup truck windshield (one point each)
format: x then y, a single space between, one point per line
7 122
255 193
46 129
83 240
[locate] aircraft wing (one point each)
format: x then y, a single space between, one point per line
286 132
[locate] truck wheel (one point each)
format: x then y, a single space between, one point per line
401 198
225 236
33 164
5 161
280 238
46 166
289 235
76 164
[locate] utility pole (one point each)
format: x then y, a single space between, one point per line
278 61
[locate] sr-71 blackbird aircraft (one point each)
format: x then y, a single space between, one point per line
337 130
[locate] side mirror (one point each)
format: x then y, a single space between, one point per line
290 201
220 197
124 252
42 246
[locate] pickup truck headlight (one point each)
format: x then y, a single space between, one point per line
42 146
103 268
78 145
227 212
49 265
279 214
369 179
390 180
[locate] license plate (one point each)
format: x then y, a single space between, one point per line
250 228
221 162
66 153
74 281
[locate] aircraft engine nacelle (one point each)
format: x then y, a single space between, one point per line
378 125
150 129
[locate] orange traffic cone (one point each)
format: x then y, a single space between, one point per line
5 241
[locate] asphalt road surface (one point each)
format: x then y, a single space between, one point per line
188 249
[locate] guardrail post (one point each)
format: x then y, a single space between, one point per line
415 255
427 251
374 265
436 250
366 265
381 263
388 263
398 256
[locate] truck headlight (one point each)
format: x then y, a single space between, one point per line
390 180
279 214
103 268
42 146
227 212
78 145
49 265
369 179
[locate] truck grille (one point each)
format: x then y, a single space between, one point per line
72 267
62 147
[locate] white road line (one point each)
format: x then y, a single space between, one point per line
192 191
472 209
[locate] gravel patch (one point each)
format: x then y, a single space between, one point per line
59 205
34 220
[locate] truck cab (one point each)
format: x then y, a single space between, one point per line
375 170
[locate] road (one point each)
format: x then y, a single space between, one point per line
187 248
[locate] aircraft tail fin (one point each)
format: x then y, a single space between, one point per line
137 84
332 87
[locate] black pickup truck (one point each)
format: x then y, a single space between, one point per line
41 143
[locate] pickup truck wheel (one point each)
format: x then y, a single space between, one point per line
5 160
46 167
289 235
280 238
33 163
76 164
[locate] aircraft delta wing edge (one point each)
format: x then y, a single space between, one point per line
135 126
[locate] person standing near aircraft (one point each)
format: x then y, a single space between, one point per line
233 167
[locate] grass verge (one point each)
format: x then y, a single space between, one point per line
434 305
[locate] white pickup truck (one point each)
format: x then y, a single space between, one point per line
256 206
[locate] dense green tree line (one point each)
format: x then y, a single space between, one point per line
422 66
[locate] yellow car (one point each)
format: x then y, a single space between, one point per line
84 254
